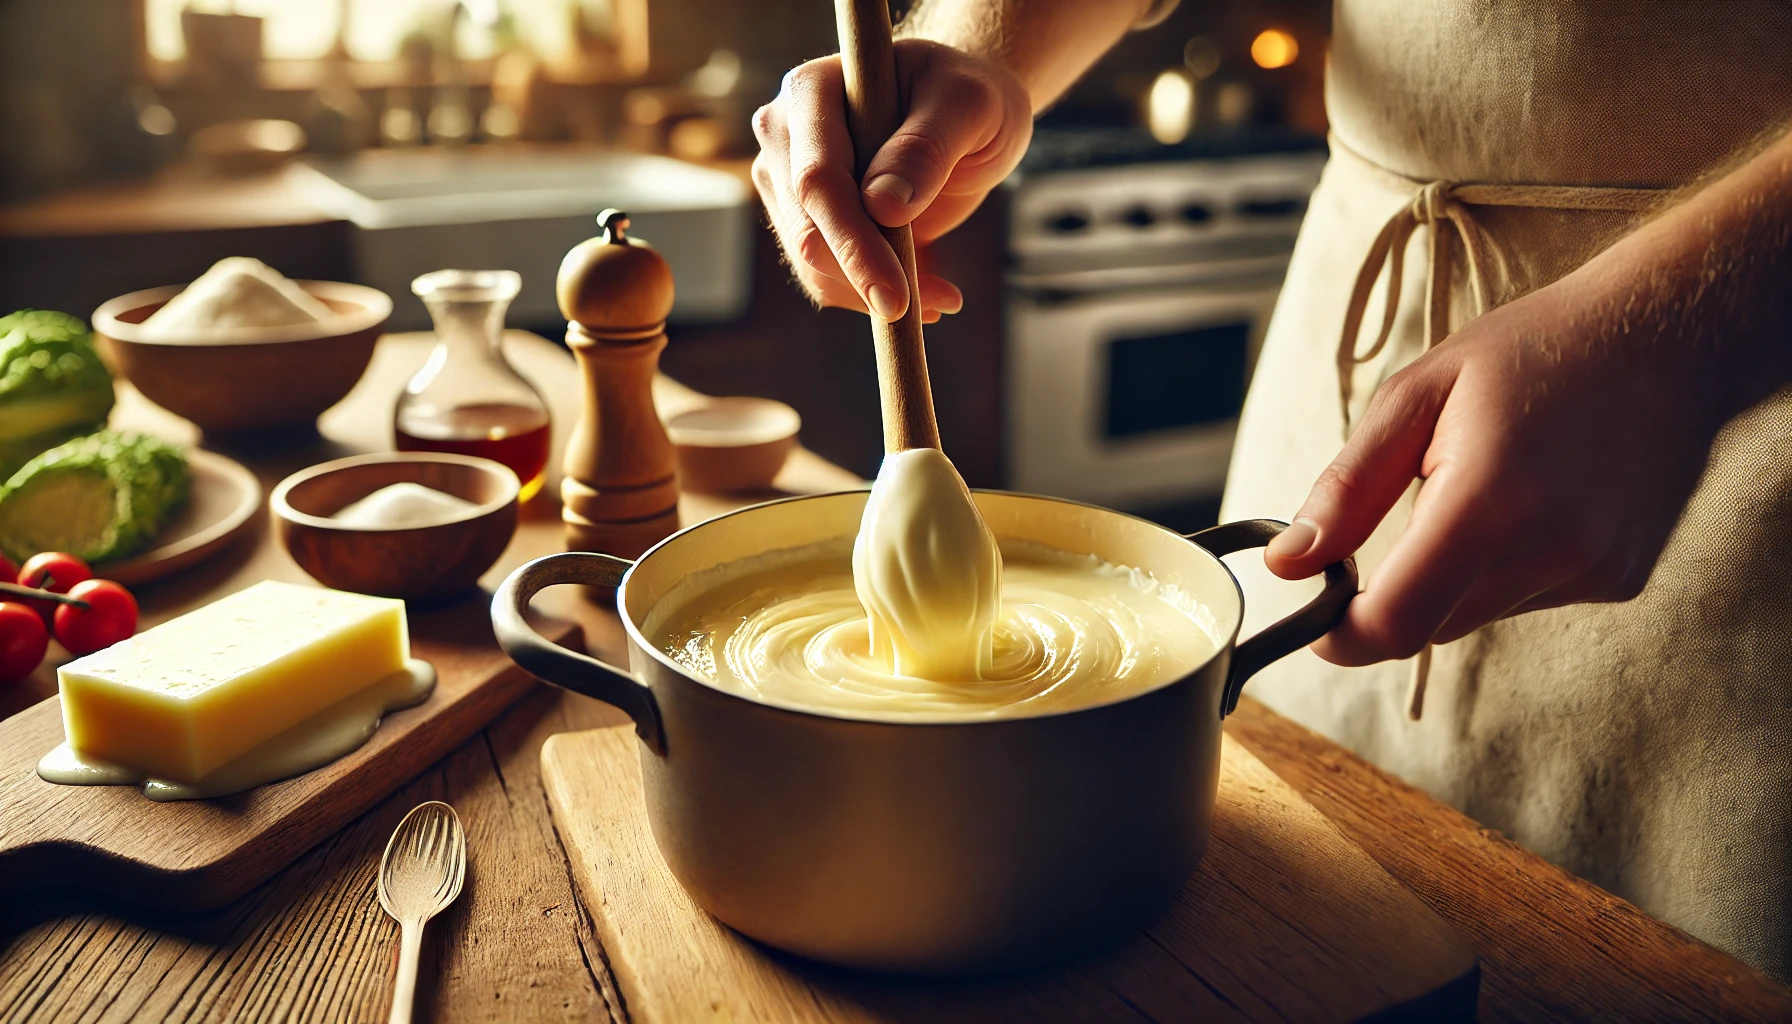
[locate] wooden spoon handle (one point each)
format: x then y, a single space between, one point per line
873 113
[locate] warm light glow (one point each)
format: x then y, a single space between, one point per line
305 29
1274 48
1170 107
1201 55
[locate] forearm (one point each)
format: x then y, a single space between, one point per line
1047 44
1712 277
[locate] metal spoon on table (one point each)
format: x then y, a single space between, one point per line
420 874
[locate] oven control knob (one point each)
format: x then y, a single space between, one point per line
1139 216
1067 222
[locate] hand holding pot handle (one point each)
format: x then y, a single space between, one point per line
579 673
1292 633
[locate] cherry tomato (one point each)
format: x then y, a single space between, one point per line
23 640
55 572
111 616
8 571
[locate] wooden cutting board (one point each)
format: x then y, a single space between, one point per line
1285 919
194 855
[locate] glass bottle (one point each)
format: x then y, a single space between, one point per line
467 399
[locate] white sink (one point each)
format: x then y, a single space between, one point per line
425 209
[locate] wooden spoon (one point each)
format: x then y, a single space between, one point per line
925 564
873 113
420 874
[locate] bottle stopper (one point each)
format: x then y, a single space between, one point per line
620 490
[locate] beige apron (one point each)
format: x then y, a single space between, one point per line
1647 745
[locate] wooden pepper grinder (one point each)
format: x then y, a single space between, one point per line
620 492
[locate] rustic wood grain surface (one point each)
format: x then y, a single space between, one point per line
1284 919
1552 946
311 944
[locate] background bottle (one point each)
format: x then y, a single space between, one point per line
468 399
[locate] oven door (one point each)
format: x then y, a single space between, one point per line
1129 396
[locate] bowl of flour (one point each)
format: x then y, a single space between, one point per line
242 347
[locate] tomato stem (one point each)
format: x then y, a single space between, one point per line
34 594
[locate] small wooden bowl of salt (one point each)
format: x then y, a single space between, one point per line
422 526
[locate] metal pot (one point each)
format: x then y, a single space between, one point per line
940 847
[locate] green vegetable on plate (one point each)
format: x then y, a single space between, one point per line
98 497
53 386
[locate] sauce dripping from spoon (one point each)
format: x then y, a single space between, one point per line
926 567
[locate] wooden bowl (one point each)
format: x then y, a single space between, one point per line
247 378
418 563
728 445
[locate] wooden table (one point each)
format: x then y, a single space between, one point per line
312 944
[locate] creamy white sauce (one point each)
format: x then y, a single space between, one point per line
1071 631
927 571
334 732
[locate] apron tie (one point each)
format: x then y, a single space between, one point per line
1439 207
1436 205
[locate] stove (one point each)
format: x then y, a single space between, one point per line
1142 277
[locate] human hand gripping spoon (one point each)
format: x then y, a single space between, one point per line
420 875
925 564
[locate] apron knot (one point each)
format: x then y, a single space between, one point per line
1437 206
1428 206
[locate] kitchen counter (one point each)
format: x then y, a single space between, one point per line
176 199
73 250
312 943
182 197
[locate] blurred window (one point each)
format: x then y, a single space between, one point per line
305 29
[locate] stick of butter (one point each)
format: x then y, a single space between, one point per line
179 700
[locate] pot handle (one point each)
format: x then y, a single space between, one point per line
1292 633
552 663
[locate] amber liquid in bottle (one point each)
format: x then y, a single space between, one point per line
517 436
